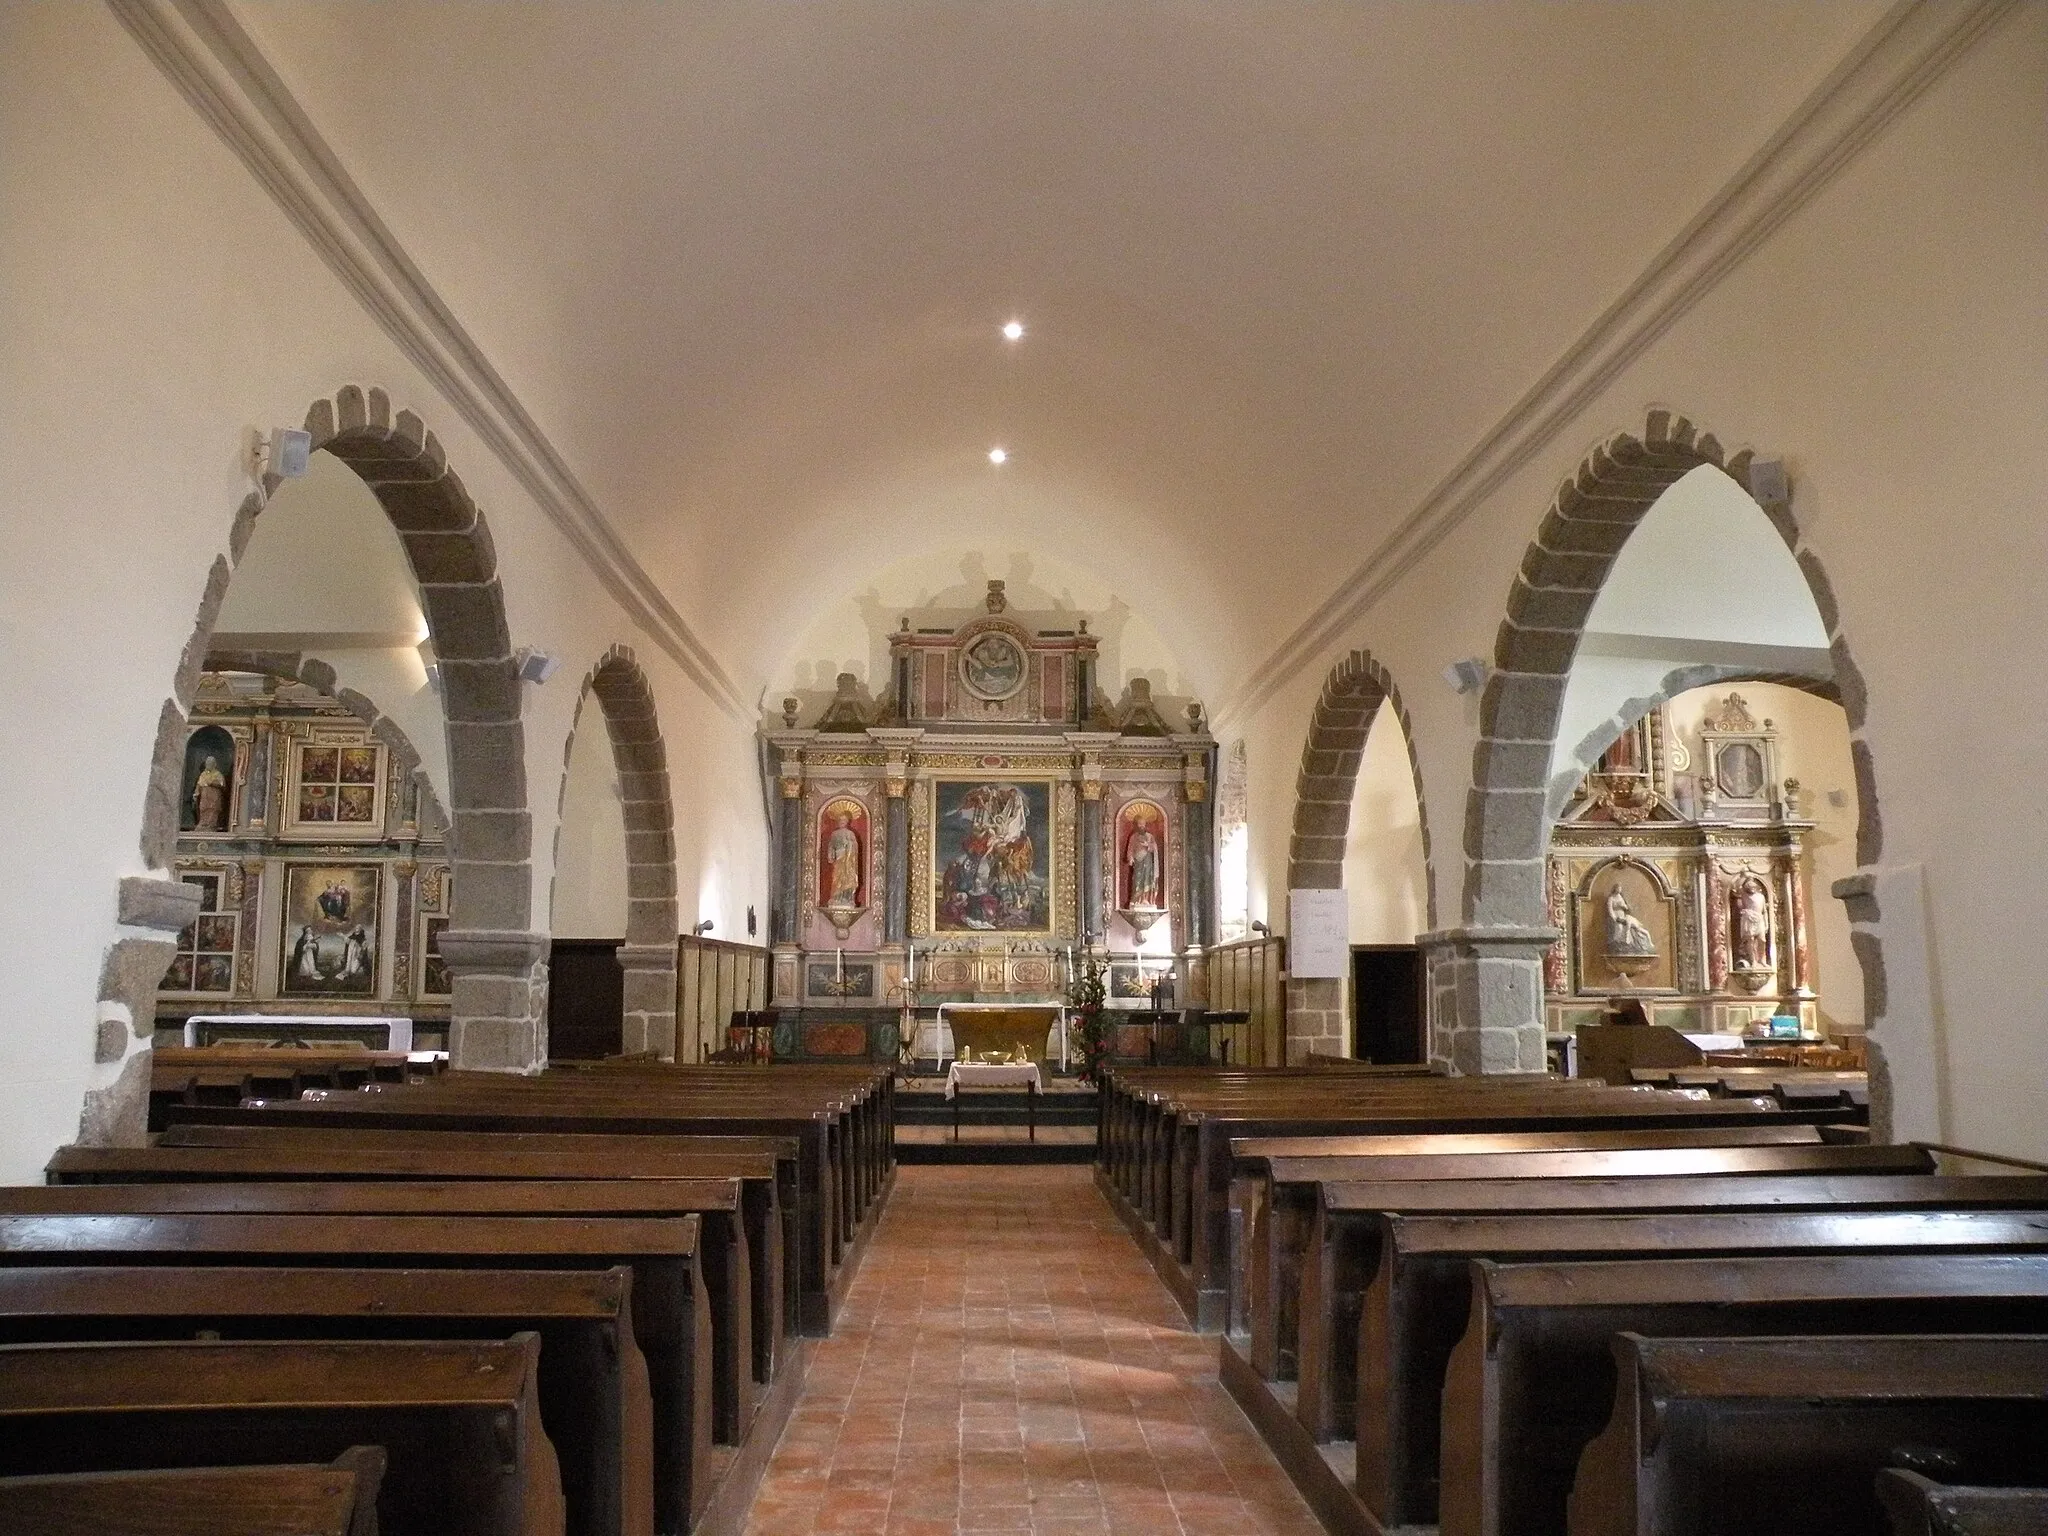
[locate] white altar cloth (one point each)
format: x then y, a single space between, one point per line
993 1074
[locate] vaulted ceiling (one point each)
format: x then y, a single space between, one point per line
1281 265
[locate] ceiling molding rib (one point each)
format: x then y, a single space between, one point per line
1909 48
218 68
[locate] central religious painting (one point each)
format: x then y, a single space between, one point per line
992 857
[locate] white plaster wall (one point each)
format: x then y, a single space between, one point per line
1887 341
157 308
1384 881
590 851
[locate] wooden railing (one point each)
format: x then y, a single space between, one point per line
1250 975
715 978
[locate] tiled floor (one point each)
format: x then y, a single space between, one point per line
996 1135
1007 1362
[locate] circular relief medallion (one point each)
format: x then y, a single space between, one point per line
992 666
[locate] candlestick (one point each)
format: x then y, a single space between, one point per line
838 965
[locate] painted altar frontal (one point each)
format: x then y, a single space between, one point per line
980 829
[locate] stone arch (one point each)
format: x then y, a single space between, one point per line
1344 714
1486 979
648 956
498 963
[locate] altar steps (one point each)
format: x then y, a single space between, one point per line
994 1127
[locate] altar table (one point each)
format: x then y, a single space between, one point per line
993 1026
994 1074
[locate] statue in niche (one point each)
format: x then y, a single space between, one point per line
1626 935
1142 855
1752 926
842 863
210 798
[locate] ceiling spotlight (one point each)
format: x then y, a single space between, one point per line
998 456
1014 331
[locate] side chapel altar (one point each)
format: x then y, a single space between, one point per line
951 853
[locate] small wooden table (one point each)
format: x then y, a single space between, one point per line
993 1074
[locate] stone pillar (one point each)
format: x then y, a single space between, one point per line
1486 997
1091 862
789 857
1315 1017
500 1007
649 1025
896 865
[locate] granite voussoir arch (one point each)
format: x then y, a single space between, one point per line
1349 703
1507 815
640 755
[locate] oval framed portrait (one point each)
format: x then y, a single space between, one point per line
993 666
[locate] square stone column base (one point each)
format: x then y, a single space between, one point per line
500 1009
1485 989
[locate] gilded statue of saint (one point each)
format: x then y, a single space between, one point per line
210 797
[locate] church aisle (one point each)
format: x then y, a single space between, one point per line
1008 1362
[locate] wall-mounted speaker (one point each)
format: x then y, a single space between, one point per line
1466 676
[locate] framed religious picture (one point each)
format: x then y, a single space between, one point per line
335 789
993 666
437 895
991 856
330 940
205 961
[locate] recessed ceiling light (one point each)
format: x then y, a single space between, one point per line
998 456
1014 331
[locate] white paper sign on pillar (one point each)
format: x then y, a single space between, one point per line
1318 934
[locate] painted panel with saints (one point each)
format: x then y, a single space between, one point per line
992 857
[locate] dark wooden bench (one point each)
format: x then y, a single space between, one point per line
773 1227
1918 1506
459 1421
338 1499
1532 1380
1420 1298
1787 1435
838 1120
1325 1269
723 1257
1271 1215
1174 1186
593 1385
671 1314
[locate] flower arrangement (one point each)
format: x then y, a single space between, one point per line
1089 1030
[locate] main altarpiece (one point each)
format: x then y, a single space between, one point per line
978 832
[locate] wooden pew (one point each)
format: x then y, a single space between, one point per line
1532 1381
459 1421
723 1257
839 1121
339 1499
671 1311
1338 1253
1175 1189
1785 1435
1420 1298
1919 1506
1271 1217
773 1228
592 1385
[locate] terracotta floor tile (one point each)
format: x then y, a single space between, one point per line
1006 1362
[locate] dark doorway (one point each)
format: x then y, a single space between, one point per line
586 999
1386 1002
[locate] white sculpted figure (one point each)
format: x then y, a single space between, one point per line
842 861
1752 927
1626 934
